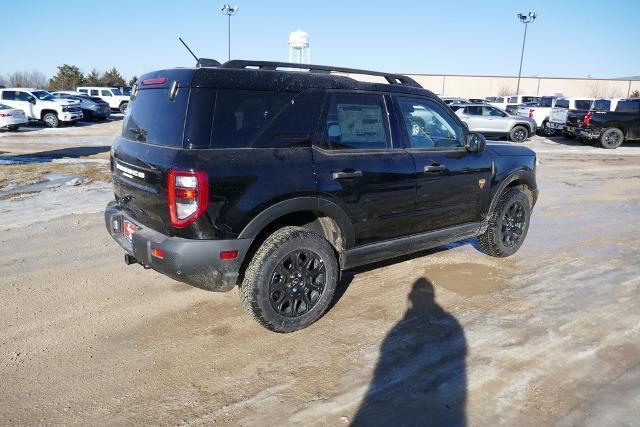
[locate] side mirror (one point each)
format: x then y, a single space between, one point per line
32 101
475 142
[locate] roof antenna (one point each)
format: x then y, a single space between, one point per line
200 62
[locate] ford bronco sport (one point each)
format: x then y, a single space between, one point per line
275 180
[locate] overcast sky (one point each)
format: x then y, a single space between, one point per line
569 38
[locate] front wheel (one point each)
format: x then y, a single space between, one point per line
291 280
51 120
508 225
611 138
13 127
518 134
123 107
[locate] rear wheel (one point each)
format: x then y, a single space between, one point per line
518 134
508 225
51 120
291 280
548 130
123 107
611 138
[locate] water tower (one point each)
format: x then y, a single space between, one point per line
298 45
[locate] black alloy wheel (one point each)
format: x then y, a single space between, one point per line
513 222
297 283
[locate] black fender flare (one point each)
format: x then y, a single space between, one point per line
298 204
526 175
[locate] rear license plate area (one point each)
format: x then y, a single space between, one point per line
128 229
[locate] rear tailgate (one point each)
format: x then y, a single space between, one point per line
152 136
558 115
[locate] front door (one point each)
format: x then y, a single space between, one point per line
359 167
496 120
452 183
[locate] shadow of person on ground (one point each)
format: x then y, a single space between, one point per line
420 377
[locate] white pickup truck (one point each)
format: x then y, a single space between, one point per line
111 95
540 113
39 104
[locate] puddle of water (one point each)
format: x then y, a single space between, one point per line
466 278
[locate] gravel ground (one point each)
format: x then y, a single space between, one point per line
548 336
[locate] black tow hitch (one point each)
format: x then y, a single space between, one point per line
130 259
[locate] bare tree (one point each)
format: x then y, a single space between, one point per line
598 91
635 94
33 78
3 81
505 90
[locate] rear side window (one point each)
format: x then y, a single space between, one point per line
601 105
241 116
154 119
95 92
9 95
582 104
82 91
473 111
632 106
356 121
562 103
513 99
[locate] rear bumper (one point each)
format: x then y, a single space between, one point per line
588 133
557 126
195 262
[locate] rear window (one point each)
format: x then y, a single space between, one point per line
545 101
242 115
155 119
562 103
526 99
601 105
632 106
582 104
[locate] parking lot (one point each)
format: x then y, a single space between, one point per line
550 335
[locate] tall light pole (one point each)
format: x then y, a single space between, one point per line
526 20
229 10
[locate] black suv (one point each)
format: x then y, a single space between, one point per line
276 180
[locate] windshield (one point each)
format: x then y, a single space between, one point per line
42 95
116 91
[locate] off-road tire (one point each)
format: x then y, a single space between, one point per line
491 241
611 138
519 133
123 107
255 288
51 120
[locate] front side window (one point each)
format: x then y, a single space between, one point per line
105 92
629 106
23 96
428 125
357 121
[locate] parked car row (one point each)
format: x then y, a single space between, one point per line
492 121
58 108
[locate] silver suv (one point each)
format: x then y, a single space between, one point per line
490 120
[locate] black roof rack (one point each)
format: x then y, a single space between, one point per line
391 78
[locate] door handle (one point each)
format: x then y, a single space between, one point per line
346 175
435 168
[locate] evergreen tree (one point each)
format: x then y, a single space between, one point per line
69 77
93 78
112 78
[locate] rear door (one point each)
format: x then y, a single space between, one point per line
452 183
359 166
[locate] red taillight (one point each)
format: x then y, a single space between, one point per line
587 118
531 110
157 81
158 253
188 196
226 255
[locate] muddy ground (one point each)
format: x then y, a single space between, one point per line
548 336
